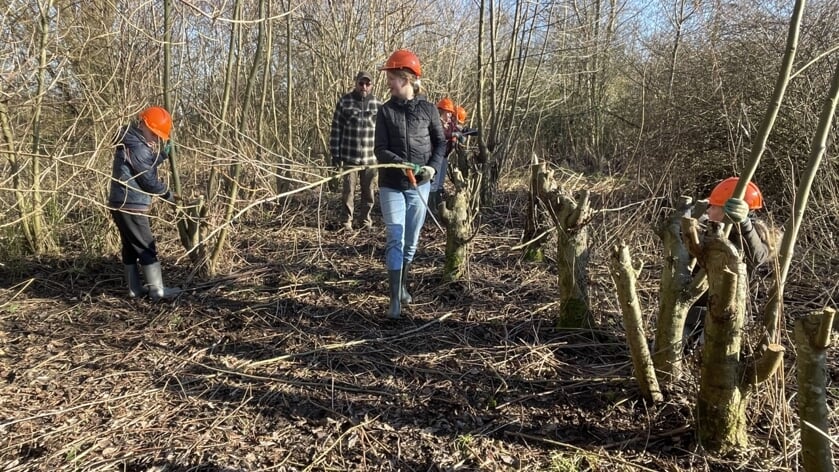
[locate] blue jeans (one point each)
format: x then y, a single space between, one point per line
404 214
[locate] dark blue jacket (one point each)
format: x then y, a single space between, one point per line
134 177
408 131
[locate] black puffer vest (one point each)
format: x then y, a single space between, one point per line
407 131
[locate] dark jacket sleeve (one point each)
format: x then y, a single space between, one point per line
755 249
438 139
144 163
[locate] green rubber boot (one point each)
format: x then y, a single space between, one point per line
395 279
405 297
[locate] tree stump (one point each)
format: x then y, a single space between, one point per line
535 232
721 406
458 212
570 216
625 278
678 291
812 338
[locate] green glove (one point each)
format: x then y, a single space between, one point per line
736 209
414 167
167 148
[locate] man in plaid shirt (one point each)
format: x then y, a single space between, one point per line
351 145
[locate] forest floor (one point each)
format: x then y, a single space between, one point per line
286 362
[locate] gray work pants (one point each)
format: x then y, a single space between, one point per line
368 186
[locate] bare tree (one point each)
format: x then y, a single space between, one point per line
248 98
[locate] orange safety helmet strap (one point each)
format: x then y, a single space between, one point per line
158 120
403 59
446 104
725 189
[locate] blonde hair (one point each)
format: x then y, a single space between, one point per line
411 78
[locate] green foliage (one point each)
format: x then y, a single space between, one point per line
569 462
534 254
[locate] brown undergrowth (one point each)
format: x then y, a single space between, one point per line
287 362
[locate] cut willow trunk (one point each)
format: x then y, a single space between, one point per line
535 233
570 216
678 291
812 338
191 230
458 212
625 277
726 376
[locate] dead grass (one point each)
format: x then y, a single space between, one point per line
288 363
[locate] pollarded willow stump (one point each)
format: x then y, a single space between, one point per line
458 213
726 375
678 291
570 217
536 232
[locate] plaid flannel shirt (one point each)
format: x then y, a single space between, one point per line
354 129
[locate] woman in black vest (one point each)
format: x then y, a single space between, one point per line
408 132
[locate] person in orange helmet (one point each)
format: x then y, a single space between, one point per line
723 208
141 147
460 115
408 133
756 240
447 111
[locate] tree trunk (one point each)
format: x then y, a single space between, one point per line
624 276
283 172
233 191
772 311
458 213
220 126
812 338
42 242
535 235
678 291
21 202
455 215
570 218
572 264
721 407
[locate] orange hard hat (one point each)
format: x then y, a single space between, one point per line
158 120
461 114
403 59
446 104
725 189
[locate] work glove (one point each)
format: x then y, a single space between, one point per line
457 137
414 167
736 210
428 172
167 148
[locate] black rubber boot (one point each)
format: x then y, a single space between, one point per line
395 279
154 280
135 285
405 297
